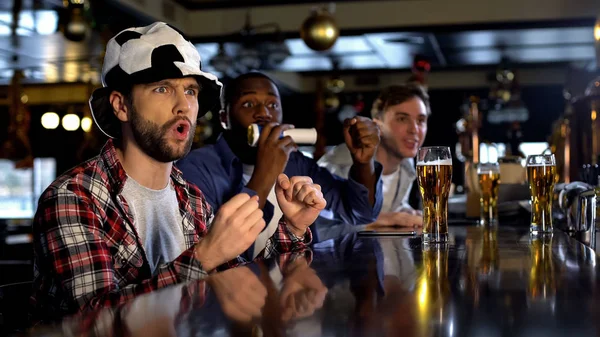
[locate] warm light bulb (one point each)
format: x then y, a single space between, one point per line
329 32
70 122
86 124
50 120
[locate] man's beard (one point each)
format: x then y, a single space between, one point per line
152 138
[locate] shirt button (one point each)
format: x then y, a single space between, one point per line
123 261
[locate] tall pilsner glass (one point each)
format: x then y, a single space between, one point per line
541 175
489 184
434 172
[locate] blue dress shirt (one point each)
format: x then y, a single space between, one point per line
217 171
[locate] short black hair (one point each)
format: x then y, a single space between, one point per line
232 88
398 94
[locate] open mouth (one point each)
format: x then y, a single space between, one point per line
182 129
410 143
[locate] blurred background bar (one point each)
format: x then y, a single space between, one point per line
506 79
523 66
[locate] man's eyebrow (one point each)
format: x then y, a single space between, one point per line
405 114
194 86
162 82
252 92
171 84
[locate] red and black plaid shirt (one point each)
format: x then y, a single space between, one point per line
87 253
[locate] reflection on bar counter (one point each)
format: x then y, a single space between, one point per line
435 310
542 280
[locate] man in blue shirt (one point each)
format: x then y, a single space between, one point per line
232 166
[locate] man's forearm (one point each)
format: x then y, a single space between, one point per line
365 174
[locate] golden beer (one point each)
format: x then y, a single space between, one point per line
432 290
489 183
541 187
435 179
542 281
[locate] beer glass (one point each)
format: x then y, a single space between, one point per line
434 173
489 184
541 175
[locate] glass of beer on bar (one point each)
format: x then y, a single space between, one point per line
541 175
489 184
434 172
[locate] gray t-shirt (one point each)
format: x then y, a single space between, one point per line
157 220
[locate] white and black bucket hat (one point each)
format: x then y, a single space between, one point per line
146 55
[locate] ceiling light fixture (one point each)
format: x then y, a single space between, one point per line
249 57
277 53
221 61
320 31
73 23
253 53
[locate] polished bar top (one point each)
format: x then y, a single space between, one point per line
485 282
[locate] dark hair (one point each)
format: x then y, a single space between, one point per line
232 88
398 94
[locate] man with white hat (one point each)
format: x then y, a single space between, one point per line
126 222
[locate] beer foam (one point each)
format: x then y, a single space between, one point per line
435 162
539 165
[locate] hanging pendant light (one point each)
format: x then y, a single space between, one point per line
320 31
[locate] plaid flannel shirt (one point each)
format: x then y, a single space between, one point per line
87 253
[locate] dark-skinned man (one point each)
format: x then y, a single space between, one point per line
232 166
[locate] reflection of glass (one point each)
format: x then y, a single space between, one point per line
433 290
541 173
434 171
489 184
489 251
542 283
483 260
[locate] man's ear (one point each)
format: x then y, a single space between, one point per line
378 121
119 105
224 118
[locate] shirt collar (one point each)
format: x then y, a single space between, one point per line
228 158
116 173
408 166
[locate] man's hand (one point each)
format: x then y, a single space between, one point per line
235 228
271 159
401 219
362 138
361 135
300 200
302 292
240 293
